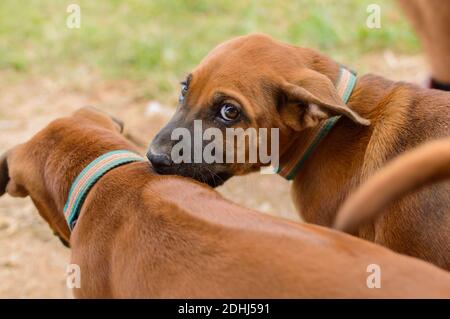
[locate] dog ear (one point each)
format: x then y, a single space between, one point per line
7 184
119 123
100 116
4 173
311 99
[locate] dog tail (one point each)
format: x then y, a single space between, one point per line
424 165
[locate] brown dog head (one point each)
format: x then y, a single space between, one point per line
44 167
250 82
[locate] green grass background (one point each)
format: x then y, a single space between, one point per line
159 41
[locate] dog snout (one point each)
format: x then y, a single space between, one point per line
160 162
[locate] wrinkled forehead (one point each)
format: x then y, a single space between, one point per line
246 69
229 63
225 76
256 48
253 52
245 64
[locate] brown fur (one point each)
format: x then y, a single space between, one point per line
144 235
409 172
277 85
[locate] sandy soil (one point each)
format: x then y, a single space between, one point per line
32 260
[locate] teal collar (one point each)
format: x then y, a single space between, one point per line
291 166
89 176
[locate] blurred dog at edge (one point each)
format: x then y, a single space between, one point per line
430 20
140 234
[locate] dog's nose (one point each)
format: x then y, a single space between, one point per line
159 160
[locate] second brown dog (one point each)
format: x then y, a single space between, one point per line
144 235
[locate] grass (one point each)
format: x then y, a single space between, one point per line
159 41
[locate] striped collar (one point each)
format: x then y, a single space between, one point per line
89 176
290 166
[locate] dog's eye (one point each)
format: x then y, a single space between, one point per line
229 112
184 89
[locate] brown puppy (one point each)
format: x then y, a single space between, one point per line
425 165
144 235
257 82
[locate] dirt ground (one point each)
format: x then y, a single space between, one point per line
32 260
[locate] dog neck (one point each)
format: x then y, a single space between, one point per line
89 177
296 155
69 153
346 156
368 99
